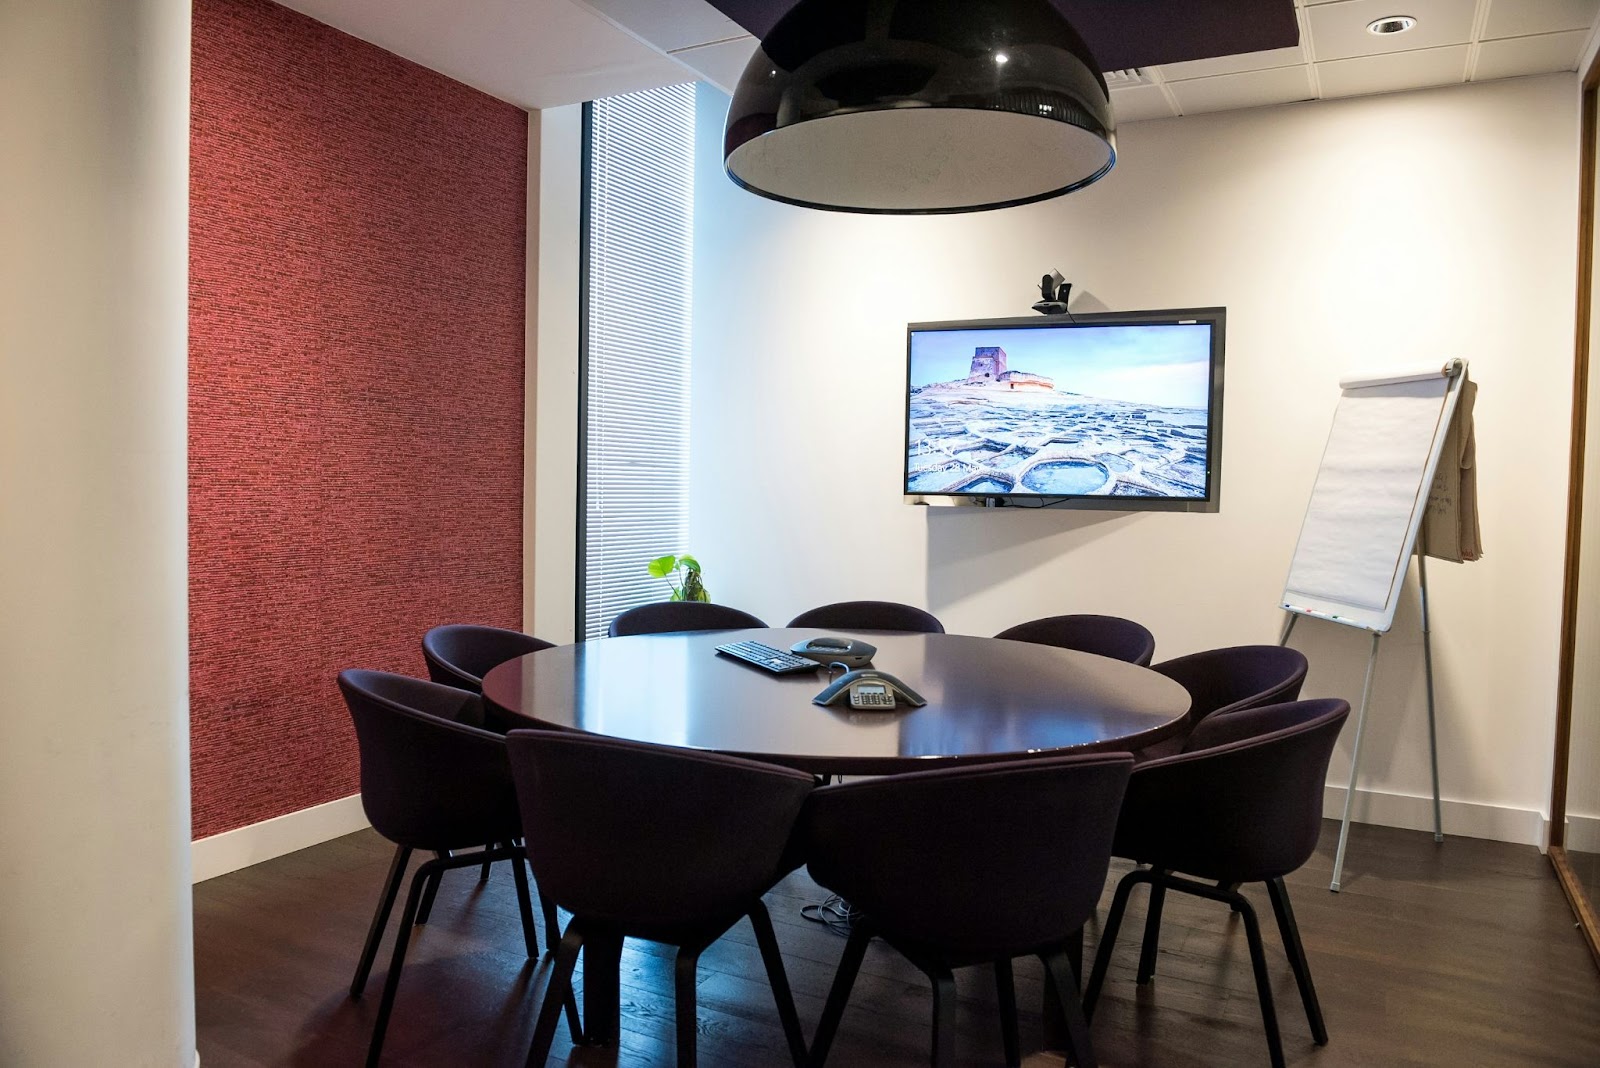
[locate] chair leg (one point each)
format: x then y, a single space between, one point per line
380 918
432 892
1080 1050
1006 993
684 974
1152 933
772 957
1230 888
944 1018
557 995
1108 938
519 876
1258 961
552 922
483 875
425 876
849 964
1297 958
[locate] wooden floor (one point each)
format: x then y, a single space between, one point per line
1463 954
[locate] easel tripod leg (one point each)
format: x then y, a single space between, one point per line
1355 765
1427 665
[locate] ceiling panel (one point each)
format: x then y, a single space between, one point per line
1518 18
1140 102
1123 34
670 24
722 63
1339 31
1393 71
1529 55
1206 68
1250 90
533 53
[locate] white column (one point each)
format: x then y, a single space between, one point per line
96 954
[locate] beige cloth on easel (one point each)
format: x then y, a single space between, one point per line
1450 526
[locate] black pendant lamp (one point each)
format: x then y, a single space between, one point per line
912 107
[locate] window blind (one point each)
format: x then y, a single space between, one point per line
639 230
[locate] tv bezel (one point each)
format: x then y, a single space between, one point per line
1211 502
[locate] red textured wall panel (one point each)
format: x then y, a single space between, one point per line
357 228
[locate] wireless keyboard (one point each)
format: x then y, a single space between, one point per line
766 657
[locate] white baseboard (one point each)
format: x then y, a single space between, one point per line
232 850
1468 819
1583 833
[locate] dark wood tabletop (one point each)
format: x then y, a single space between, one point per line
988 699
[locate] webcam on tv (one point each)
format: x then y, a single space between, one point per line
1055 291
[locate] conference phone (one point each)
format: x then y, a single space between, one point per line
869 690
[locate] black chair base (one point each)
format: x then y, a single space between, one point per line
1227 893
424 884
1065 1025
601 946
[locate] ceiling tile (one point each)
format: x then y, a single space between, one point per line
1339 31
1520 18
722 63
1140 102
1393 71
669 24
1516 56
533 53
1207 68
1253 89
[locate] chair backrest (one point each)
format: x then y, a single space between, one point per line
670 617
982 862
1112 636
1244 802
651 837
1241 676
869 615
431 777
461 654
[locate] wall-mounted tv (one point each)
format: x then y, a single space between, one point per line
1118 410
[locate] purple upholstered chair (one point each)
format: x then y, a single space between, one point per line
670 617
869 615
645 841
431 779
970 866
1243 804
1225 680
1112 636
461 654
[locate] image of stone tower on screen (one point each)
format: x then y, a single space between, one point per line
989 369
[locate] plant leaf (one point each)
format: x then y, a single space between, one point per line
689 562
662 566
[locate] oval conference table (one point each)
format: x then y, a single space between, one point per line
988 699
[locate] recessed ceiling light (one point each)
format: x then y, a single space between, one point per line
1391 24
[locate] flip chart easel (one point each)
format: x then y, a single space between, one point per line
1361 527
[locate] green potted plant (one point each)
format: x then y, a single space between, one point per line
682 574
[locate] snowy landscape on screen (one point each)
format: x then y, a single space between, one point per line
1076 411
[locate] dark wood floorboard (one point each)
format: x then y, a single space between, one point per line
1460 954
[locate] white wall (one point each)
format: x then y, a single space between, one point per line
96 952
550 563
1583 784
1348 234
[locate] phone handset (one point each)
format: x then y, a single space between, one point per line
867 688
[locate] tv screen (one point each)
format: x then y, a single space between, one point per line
1109 410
